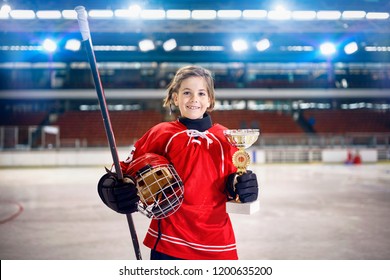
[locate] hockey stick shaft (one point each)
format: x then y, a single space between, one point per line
85 33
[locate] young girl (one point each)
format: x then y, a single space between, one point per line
202 157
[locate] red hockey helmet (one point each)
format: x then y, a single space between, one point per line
159 186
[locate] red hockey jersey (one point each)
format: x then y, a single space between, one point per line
201 228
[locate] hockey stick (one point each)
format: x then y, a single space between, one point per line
86 36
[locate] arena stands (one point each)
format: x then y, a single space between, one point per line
348 121
88 126
267 122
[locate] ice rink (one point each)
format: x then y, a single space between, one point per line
308 211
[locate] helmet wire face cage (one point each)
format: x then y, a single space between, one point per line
159 186
160 190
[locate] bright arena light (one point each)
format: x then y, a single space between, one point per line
204 14
351 48
169 45
353 14
304 15
133 12
101 13
178 14
229 14
254 14
372 15
48 14
239 45
328 15
73 45
69 14
280 13
262 45
22 14
153 14
146 45
327 48
49 45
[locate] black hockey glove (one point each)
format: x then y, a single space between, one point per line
120 196
245 186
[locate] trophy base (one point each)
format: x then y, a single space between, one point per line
249 208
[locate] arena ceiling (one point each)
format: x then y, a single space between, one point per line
212 38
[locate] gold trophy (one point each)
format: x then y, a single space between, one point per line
242 139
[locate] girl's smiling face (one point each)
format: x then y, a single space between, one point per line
192 98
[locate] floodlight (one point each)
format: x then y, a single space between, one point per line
22 14
169 45
133 12
229 14
49 45
328 15
73 45
47 14
101 13
146 45
178 14
353 14
351 48
304 15
372 15
327 48
239 45
69 14
262 45
204 14
279 15
153 14
254 14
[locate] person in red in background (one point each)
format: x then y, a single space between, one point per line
357 159
349 159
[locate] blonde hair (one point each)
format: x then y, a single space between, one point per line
185 73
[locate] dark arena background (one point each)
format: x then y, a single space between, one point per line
313 76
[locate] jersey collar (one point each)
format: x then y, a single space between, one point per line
199 124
